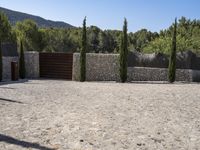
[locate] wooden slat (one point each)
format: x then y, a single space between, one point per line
56 65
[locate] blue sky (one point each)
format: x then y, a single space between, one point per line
153 15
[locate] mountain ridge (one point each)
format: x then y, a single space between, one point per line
15 16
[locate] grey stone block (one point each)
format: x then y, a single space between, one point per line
99 67
32 64
7 67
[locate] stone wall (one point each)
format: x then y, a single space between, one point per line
161 74
32 64
105 67
99 67
7 67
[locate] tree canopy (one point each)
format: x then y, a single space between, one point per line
6 33
100 41
28 32
188 38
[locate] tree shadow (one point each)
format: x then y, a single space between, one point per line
162 82
13 82
9 100
11 140
9 88
148 82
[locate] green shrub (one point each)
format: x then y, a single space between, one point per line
22 70
172 60
83 53
123 53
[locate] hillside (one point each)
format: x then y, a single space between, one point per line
15 16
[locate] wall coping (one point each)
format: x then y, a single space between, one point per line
98 54
31 52
160 68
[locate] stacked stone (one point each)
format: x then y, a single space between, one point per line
105 67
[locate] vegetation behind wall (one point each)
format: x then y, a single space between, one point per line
100 41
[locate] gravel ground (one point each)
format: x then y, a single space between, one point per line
50 114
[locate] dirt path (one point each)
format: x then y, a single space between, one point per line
49 114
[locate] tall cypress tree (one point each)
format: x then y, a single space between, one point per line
1 63
172 60
123 53
22 70
83 52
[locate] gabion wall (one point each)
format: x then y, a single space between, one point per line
105 67
99 67
31 64
7 67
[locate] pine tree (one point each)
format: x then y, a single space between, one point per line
172 60
123 53
22 70
1 63
5 28
83 53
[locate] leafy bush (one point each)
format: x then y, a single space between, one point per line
187 38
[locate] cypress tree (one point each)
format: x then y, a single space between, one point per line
172 60
22 71
83 52
1 63
123 53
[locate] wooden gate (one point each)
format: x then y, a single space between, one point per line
56 65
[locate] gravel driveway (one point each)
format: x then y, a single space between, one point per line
51 115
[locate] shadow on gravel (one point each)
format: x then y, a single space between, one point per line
11 140
9 88
162 82
13 82
9 100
